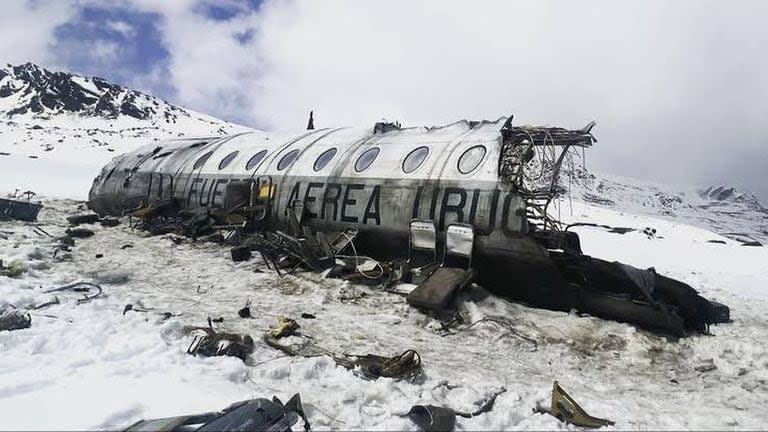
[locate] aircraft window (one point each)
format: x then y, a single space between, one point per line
227 159
366 159
415 159
287 159
255 159
324 158
470 160
200 162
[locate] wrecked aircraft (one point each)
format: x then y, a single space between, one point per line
493 179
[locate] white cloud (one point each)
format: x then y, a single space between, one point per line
121 27
679 89
27 30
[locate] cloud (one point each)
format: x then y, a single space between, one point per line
27 30
679 89
212 61
121 27
116 42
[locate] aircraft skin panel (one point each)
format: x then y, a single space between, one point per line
380 198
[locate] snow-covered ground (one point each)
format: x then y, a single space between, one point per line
62 158
91 367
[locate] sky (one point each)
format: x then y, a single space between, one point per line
679 89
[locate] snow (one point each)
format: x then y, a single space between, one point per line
90 367
61 156
86 84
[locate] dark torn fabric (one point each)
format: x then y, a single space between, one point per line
645 280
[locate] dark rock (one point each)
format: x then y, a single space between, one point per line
79 232
752 243
99 255
83 219
126 246
716 241
110 222
66 240
307 315
46 91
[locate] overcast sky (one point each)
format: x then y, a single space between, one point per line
679 89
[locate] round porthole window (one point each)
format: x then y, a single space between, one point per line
227 159
255 159
287 159
203 159
366 159
415 159
324 158
470 160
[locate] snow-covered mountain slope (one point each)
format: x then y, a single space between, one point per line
58 127
735 214
89 366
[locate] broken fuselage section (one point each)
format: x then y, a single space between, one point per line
377 181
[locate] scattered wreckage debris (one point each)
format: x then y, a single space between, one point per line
110 222
79 232
55 301
14 269
66 240
241 253
14 319
285 327
90 290
432 418
567 410
522 251
20 209
245 312
406 365
80 219
593 286
251 415
37 229
440 287
498 320
213 343
164 315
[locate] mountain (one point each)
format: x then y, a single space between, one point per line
48 110
728 211
57 129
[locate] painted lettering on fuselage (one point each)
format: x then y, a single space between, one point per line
369 204
360 203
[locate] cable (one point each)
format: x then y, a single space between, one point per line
357 259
